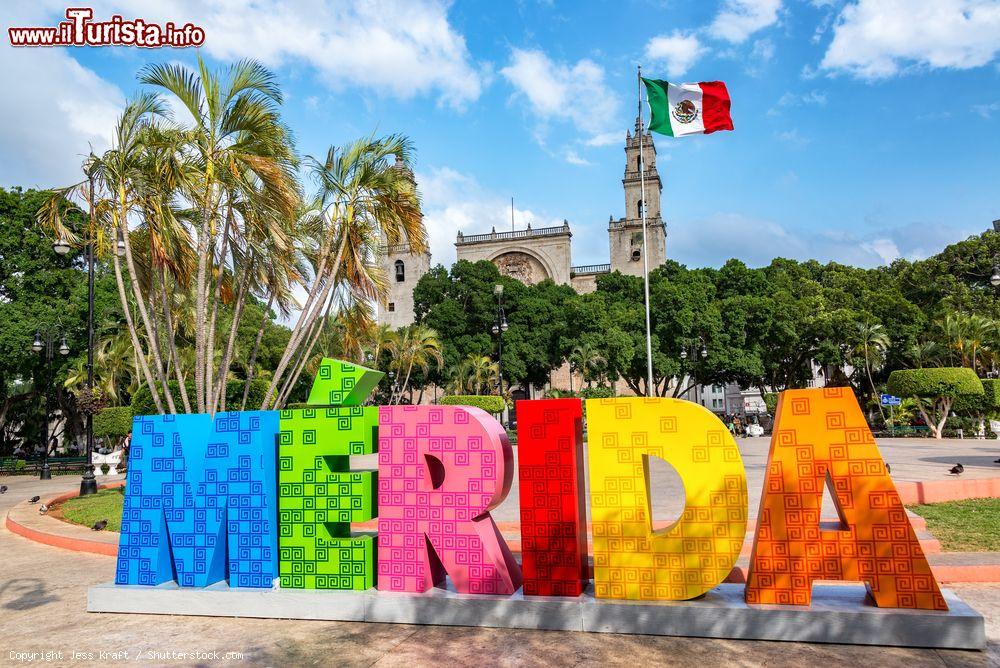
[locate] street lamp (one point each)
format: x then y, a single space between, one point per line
61 245
45 340
499 328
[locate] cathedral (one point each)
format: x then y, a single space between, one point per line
533 255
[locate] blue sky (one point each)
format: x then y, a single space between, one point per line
865 129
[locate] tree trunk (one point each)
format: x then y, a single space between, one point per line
219 398
293 344
130 324
210 389
200 330
256 347
171 340
304 359
144 315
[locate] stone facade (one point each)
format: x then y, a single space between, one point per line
533 255
530 255
403 269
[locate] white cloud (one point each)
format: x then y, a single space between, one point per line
606 139
812 98
697 242
874 39
741 18
792 137
400 48
454 202
573 158
676 52
555 91
55 110
986 110
760 56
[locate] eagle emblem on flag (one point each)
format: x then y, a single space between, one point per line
685 111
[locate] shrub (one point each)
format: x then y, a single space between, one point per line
142 401
771 401
113 422
980 405
930 383
935 391
489 403
597 392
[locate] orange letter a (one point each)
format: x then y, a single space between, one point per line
821 435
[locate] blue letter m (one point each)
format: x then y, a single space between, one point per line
201 501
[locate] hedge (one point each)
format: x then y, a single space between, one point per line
113 422
142 401
597 392
489 403
940 382
984 404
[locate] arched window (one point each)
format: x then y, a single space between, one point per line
638 163
638 209
400 271
636 255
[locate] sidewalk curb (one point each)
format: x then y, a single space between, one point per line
56 539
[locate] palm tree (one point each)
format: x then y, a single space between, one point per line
240 154
587 361
474 373
113 191
869 342
419 347
364 200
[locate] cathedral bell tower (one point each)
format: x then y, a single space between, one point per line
403 268
625 234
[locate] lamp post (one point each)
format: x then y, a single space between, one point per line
499 327
701 352
88 483
48 345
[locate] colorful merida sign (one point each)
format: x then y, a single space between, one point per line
267 498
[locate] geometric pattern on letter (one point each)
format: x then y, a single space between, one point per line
698 551
441 470
342 384
821 433
201 492
550 482
319 496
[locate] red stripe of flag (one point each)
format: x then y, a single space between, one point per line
715 106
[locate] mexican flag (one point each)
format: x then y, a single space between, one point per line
688 109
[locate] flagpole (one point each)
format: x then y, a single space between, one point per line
650 390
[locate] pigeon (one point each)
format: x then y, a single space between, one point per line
957 469
42 509
99 526
995 461
34 499
3 489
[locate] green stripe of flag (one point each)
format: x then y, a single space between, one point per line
659 107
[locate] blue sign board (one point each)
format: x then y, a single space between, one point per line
889 400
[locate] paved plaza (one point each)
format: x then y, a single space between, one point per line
43 600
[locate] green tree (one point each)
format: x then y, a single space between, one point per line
935 391
40 288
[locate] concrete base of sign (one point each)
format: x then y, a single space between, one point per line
839 613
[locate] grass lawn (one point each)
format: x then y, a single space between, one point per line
105 505
972 525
